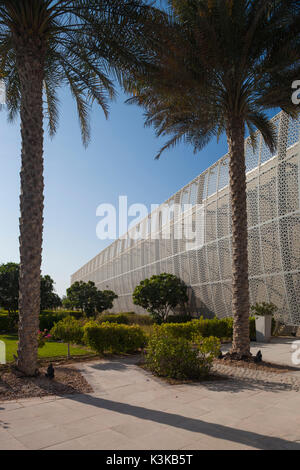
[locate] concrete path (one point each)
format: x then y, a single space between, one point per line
130 409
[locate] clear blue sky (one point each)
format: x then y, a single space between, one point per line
118 161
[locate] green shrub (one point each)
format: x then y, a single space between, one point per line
113 337
263 308
252 328
49 318
120 318
180 318
138 319
68 330
5 325
220 328
125 318
180 358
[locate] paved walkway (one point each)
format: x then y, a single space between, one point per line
130 409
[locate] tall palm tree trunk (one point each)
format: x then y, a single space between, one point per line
240 283
30 57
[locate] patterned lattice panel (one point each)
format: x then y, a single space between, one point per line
273 208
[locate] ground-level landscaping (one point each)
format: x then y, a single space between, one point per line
52 349
131 409
66 381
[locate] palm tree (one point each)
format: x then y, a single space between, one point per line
219 65
46 44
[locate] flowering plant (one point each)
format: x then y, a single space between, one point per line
43 336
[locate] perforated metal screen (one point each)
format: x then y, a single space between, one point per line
273 195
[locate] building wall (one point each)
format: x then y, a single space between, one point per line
273 195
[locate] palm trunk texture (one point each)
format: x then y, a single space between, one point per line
30 59
240 283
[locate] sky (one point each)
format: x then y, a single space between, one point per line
118 161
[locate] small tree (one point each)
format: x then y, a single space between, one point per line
160 295
68 330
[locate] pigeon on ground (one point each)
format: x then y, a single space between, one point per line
50 372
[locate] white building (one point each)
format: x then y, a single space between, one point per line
273 227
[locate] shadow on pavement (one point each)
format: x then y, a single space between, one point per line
218 431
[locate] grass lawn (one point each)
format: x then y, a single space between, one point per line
51 349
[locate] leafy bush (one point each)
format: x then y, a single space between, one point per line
5 323
68 330
125 318
263 308
180 318
220 328
252 329
113 337
49 318
138 319
113 318
180 358
42 337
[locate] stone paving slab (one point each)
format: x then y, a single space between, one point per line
131 409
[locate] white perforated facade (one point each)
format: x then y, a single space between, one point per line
273 227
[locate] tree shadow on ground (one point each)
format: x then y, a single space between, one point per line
236 385
111 365
218 431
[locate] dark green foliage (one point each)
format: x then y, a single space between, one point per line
252 329
49 299
119 318
179 358
180 318
5 323
160 295
138 319
217 60
220 328
86 297
104 300
47 319
127 318
88 44
9 291
114 338
263 308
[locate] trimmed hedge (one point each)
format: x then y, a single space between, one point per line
220 328
126 318
121 318
139 319
113 337
181 318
